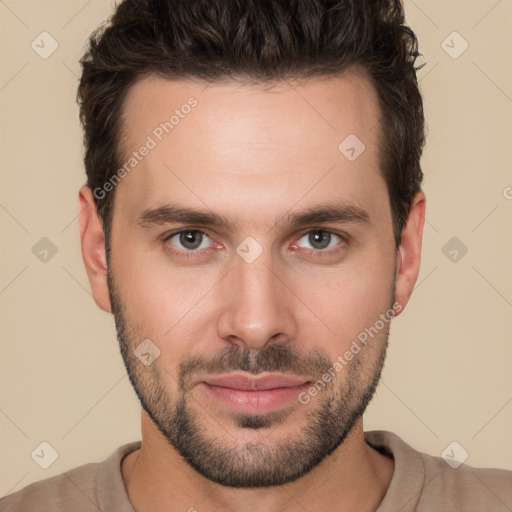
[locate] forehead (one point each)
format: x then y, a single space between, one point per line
247 148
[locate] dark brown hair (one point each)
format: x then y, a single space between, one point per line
258 41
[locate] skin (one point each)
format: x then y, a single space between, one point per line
253 155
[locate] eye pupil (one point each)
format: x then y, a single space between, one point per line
187 237
316 237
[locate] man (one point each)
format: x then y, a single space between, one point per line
253 219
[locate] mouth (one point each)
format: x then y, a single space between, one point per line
254 394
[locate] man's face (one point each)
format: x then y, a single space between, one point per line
259 296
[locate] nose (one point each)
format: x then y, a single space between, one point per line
257 306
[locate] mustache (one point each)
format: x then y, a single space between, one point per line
273 358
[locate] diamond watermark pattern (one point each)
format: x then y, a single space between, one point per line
352 147
249 249
454 249
44 45
146 352
454 45
44 250
454 455
44 455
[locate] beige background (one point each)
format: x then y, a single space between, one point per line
448 373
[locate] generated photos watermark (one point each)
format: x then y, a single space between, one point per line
343 360
152 141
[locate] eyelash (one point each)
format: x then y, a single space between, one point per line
196 253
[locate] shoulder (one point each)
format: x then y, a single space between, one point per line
73 489
471 488
424 482
87 488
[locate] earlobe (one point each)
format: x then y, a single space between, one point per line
409 252
92 241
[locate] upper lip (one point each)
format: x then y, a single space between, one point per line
262 381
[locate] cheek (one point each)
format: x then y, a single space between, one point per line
163 302
343 303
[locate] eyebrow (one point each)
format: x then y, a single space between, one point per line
329 212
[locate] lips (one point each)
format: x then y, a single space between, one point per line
254 394
263 381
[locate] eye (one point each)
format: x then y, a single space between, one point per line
321 239
192 243
189 239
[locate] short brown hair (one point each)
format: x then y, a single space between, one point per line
260 41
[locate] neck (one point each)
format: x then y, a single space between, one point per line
354 477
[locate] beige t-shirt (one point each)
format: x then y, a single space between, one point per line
420 483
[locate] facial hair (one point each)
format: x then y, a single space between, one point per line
325 425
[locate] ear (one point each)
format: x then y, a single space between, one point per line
92 240
409 253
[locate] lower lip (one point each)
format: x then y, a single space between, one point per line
253 401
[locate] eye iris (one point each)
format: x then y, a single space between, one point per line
316 237
187 237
